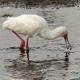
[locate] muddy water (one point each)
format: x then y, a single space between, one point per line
47 58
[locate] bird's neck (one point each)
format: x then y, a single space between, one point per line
50 34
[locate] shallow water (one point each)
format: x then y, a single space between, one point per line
47 58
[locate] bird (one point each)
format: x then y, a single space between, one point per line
31 25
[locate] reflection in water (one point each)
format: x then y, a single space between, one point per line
67 53
22 51
30 72
66 64
36 70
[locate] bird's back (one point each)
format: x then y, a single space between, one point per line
26 24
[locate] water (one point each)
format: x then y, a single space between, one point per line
47 58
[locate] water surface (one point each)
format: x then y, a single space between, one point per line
47 58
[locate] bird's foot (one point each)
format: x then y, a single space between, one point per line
27 51
69 47
22 52
22 45
22 48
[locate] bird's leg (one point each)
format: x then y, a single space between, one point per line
27 50
68 45
22 45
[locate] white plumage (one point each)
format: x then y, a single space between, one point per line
30 25
34 25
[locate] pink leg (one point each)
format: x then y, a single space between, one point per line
22 45
27 50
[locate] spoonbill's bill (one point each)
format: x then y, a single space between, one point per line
34 25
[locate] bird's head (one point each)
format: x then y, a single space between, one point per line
62 32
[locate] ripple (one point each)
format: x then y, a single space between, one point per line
75 78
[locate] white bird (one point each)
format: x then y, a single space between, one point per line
34 25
